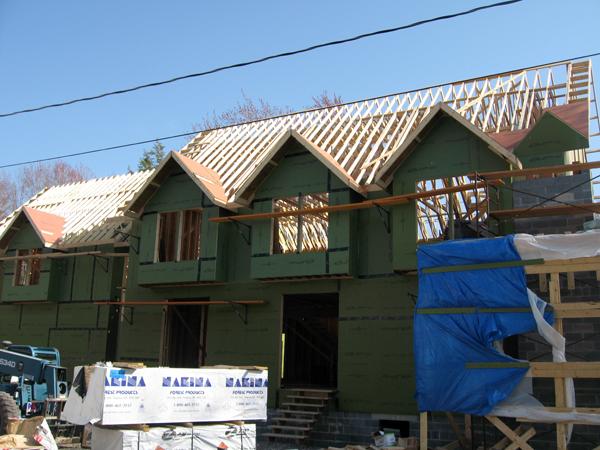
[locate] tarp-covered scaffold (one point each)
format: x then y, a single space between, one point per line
460 315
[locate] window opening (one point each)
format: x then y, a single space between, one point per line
167 237
27 271
179 235
190 235
301 234
469 210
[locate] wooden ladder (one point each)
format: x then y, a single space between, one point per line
578 83
298 413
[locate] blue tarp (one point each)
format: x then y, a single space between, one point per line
444 343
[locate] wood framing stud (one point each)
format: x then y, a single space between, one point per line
423 431
519 440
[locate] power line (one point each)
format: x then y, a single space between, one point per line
261 60
175 136
98 150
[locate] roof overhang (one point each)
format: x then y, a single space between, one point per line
48 227
206 179
400 153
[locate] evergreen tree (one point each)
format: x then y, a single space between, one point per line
152 158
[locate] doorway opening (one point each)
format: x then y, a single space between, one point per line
184 336
310 340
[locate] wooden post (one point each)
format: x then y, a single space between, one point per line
423 431
571 280
543 282
559 383
468 428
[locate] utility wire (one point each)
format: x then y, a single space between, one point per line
98 150
263 59
549 199
175 136
553 198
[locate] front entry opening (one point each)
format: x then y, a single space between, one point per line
310 340
184 336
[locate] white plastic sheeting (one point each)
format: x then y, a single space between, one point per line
558 246
549 247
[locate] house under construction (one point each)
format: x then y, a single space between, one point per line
291 242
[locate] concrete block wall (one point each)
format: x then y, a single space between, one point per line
572 189
338 429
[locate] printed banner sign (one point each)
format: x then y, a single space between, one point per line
164 395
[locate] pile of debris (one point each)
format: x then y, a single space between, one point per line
31 433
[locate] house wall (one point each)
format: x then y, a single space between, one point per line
375 370
67 318
375 308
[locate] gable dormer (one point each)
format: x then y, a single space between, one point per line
297 175
178 244
440 153
27 274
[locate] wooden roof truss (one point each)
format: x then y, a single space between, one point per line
433 212
361 136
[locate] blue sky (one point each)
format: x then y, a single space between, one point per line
53 51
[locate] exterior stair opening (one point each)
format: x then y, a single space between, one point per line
309 355
310 336
299 410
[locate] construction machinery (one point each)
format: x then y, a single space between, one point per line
32 382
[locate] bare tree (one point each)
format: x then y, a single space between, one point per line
8 195
249 109
246 110
324 100
16 190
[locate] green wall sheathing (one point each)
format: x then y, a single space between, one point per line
230 341
25 238
79 346
139 334
148 234
547 142
375 345
177 192
10 320
448 150
374 240
299 173
78 330
169 272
